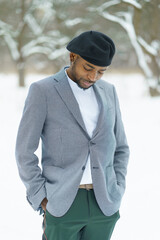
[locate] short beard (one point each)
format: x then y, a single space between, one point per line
77 81
78 84
74 78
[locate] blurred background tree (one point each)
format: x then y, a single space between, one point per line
140 21
34 34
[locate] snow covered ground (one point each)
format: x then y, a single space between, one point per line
140 209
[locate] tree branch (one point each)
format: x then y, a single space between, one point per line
133 3
152 50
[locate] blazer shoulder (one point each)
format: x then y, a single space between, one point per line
44 84
48 82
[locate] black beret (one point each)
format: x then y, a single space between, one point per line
95 47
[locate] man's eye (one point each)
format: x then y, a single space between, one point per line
100 73
87 69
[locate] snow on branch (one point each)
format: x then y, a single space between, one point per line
75 1
57 53
111 3
113 18
127 23
47 8
153 50
43 4
133 3
36 49
44 44
5 26
63 40
26 50
8 35
72 22
54 33
12 45
45 19
107 5
34 26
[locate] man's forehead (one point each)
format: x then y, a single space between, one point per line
86 63
94 66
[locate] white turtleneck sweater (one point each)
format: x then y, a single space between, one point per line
90 111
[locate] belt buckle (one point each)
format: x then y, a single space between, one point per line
88 189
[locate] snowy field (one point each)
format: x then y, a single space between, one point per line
140 209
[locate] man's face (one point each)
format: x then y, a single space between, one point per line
84 73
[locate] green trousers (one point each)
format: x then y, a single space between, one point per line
83 221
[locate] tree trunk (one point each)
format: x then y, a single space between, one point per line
154 92
21 74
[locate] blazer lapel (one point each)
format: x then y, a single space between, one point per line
65 91
104 105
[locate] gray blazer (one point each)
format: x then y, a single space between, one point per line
52 113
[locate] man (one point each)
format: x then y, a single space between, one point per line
84 147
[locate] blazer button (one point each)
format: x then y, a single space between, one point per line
83 167
92 143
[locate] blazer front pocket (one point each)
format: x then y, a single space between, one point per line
110 175
114 189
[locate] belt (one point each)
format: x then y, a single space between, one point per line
86 186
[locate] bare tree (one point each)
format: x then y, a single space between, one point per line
147 48
31 35
42 27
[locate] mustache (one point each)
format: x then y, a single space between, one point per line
87 80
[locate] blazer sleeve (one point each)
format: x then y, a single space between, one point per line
122 152
28 137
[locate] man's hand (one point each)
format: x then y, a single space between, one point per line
44 203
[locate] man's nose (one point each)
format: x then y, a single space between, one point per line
92 76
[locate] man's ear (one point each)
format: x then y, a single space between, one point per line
73 57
